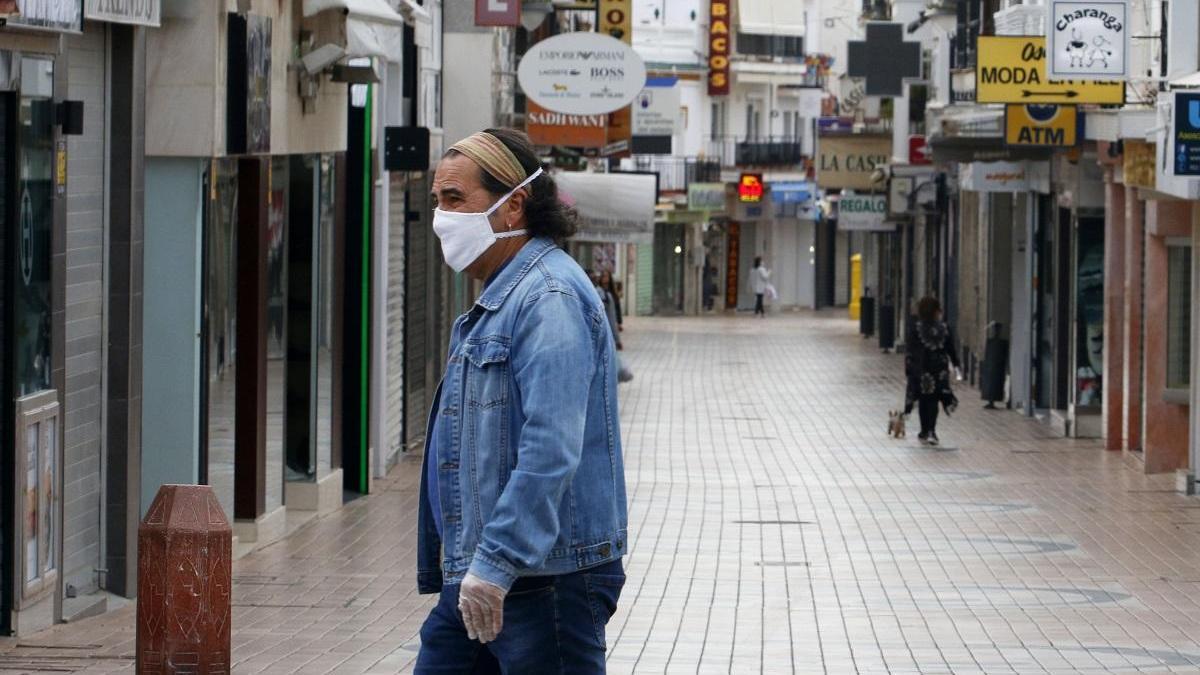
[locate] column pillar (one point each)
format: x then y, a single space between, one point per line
1134 238
250 427
1114 313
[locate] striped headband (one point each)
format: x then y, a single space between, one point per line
493 156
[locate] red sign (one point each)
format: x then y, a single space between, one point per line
918 150
718 48
750 188
497 12
546 127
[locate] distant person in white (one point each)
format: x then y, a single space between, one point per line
760 283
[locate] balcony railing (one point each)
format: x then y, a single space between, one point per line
760 151
676 173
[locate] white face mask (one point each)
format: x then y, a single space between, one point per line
465 236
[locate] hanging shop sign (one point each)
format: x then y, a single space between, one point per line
1138 163
615 19
1008 177
1013 70
718 48
750 188
1186 133
582 73
8 8
884 59
546 127
136 12
613 207
498 12
655 113
848 161
863 213
1088 40
1055 126
918 151
706 197
56 15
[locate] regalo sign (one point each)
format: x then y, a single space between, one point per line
718 49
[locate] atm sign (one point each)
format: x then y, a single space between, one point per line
1052 126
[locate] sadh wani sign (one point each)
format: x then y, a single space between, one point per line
138 12
847 161
546 127
1013 70
1088 40
582 73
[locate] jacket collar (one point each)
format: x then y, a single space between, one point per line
497 292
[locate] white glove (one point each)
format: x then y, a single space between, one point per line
482 606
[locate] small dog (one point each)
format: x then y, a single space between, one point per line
896 420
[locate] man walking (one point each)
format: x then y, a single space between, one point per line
522 510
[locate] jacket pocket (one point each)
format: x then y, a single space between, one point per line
487 376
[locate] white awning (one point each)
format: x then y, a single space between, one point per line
771 17
612 207
373 28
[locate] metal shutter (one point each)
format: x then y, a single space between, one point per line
417 270
394 440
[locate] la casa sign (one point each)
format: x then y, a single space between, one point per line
718 48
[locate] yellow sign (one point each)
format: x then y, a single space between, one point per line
1139 163
1055 126
616 19
1013 70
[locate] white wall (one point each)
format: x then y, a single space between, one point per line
466 102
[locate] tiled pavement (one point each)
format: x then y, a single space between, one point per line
776 529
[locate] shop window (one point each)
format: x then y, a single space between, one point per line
1179 316
35 218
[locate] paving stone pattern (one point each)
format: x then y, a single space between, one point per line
776 529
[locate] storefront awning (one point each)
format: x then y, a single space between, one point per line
771 17
613 207
373 28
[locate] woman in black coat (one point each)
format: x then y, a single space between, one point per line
927 363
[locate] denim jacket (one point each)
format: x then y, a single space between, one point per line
531 481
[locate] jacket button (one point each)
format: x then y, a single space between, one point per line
605 550
620 545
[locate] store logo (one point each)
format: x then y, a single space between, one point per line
1194 113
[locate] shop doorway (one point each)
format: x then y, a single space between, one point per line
670 250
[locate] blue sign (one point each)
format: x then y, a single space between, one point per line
791 192
1187 134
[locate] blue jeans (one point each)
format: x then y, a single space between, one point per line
552 624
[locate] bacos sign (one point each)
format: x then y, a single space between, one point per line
582 73
718 48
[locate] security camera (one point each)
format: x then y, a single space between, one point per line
321 58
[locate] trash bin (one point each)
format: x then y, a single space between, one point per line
866 317
995 366
887 327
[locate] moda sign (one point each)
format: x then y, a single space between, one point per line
1088 40
582 74
1013 69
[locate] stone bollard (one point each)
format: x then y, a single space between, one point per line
185 554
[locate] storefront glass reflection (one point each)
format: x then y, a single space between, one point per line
220 326
277 286
35 216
